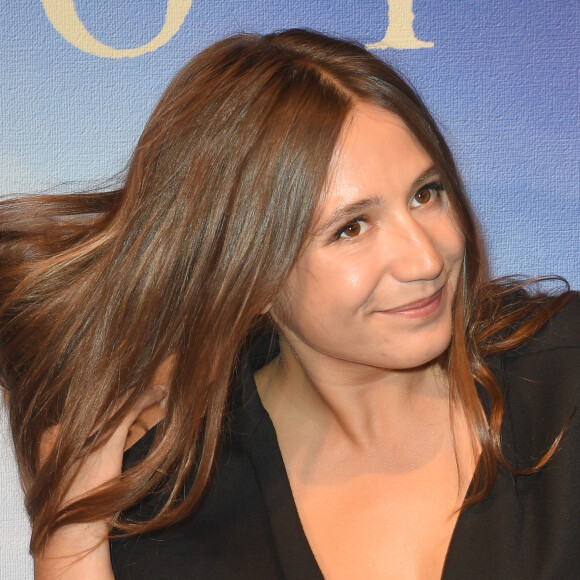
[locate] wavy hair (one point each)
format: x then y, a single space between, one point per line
97 290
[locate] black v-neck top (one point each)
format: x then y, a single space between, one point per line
248 527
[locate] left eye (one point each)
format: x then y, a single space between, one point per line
426 194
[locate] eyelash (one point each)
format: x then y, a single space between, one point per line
338 234
434 188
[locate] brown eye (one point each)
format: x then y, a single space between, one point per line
352 230
423 196
428 194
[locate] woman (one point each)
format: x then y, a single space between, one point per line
288 295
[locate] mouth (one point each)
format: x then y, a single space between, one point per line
418 308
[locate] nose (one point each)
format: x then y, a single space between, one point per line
414 252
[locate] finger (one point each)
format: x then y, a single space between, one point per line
153 395
47 442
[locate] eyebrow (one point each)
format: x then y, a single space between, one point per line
431 172
347 211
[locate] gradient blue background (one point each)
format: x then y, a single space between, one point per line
501 79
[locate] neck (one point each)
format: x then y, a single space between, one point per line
329 398
336 421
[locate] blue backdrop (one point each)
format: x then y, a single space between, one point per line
80 78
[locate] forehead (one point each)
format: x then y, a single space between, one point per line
376 156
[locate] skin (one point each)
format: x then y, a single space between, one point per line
357 397
401 246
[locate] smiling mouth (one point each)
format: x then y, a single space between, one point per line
419 308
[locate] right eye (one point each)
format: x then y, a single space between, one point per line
351 229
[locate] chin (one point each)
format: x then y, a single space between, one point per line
423 351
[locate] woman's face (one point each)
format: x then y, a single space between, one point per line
375 283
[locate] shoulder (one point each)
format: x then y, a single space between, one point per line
544 372
541 385
562 331
550 354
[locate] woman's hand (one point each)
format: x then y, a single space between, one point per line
81 551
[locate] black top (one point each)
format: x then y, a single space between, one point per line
528 527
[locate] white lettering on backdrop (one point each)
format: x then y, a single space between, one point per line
63 16
400 33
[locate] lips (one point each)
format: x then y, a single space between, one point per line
418 308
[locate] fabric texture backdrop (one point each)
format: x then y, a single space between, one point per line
80 78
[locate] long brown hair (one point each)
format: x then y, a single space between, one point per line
97 290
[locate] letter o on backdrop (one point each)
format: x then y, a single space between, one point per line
63 16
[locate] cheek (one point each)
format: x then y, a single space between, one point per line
320 290
451 243
342 284
351 276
